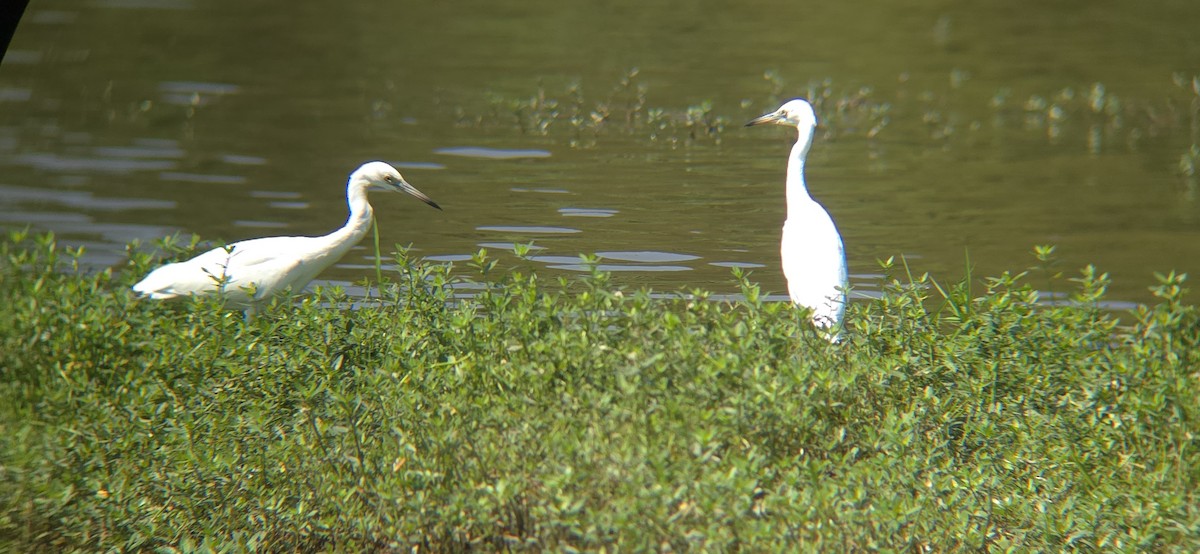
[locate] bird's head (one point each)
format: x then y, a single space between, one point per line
382 176
795 113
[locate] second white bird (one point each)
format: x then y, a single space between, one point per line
814 260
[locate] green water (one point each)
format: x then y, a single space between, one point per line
948 129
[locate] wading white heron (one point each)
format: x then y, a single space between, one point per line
814 260
250 272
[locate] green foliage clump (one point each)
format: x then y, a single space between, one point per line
581 121
582 118
575 416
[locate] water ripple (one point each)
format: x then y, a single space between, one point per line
491 153
620 267
527 229
647 256
542 191
78 199
148 151
254 224
587 212
236 159
13 94
202 178
283 195
417 165
54 162
50 17
737 264
556 259
197 87
187 93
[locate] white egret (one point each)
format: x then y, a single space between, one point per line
249 272
814 260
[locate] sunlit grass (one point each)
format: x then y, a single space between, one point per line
576 415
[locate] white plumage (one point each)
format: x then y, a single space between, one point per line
249 272
814 260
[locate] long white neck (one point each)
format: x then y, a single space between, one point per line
357 224
797 191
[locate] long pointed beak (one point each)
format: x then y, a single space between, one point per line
772 117
403 186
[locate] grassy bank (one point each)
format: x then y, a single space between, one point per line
573 415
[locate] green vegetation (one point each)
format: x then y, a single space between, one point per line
1089 113
581 120
572 415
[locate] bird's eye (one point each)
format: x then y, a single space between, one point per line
389 179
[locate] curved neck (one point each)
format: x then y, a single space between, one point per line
359 221
797 191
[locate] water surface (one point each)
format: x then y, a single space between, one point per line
950 131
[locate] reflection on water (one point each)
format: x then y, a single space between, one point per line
289 205
43 220
202 178
55 162
167 150
587 212
542 191
22 57
82 200
193 94
530 229
234 159
657 257
280 194
417 165
47 17
25 206
620 267
491 153
12 94
744 265
646 262
195 87
251 224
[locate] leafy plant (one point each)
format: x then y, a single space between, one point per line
575 415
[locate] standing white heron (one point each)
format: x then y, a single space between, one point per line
814 260
249 272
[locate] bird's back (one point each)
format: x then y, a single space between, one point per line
260 266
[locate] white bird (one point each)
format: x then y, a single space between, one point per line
250 272
814 260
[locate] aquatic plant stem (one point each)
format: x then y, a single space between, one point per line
378 258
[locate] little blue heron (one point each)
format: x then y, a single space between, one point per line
249 272
814 260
